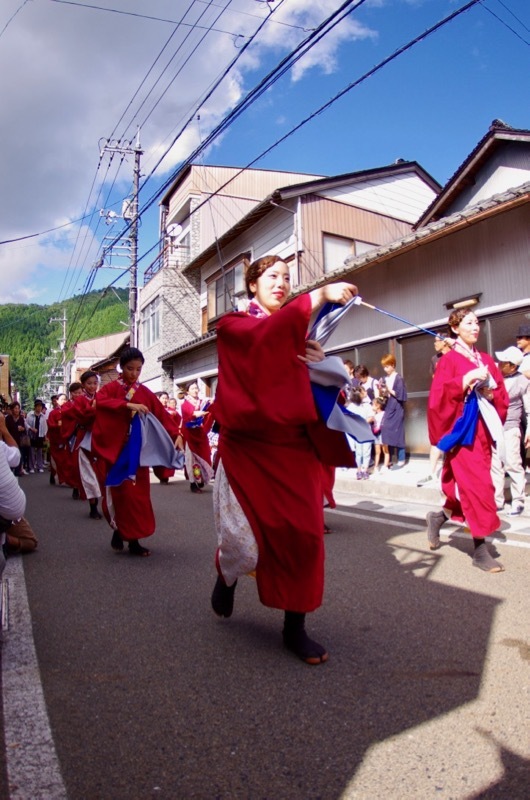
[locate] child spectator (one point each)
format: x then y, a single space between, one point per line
360 404
378 409
362 375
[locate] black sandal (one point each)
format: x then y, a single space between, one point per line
136 549
116 542
298 642
223 598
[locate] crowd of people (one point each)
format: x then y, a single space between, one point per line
381 402
102 441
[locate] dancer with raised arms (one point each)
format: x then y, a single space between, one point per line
268 487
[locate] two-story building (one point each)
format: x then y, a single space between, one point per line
314 225
202 204
413 249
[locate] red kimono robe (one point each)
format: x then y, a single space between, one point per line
196 439
133 513
58 448
467 468
164 473
267 416
77 418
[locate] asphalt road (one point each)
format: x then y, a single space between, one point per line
149 695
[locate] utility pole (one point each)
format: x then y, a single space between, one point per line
130 213
133 283
59 373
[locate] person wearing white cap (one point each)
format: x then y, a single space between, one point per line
523 343
516 385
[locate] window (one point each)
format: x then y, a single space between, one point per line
151 323
224 290
337 249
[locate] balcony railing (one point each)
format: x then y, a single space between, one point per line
173 256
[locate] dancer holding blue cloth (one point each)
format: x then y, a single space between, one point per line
467 406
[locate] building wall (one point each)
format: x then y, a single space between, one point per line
404 197
490 257
321 215
509 166
272 235
246 189
5 377
179 319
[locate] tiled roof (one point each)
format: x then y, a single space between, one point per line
498 132
200 340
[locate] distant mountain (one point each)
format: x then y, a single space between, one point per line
28 336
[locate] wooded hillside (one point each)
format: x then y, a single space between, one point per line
28 336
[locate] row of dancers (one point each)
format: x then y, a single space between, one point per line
268 490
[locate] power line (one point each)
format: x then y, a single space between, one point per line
502 22
142 16
172 21
519 20
263 85
12 17
181 67
325 106
135 95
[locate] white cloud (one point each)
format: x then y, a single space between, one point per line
68 75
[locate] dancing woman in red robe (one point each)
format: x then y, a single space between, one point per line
196 422
127 507
268 486
78 418
58 448
466 474
164 473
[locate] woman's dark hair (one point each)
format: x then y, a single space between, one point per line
356 397
75 386
361 371
88 374
14 404
131 354
256 269
455 318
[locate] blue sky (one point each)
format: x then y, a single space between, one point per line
432 104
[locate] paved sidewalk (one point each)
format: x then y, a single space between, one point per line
401 484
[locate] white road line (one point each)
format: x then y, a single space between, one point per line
421 526
33 769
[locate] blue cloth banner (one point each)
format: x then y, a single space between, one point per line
128 460
465 427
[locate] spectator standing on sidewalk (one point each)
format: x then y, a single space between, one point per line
37 429
392 386
441 347
517 387
12 498
360 404
523 343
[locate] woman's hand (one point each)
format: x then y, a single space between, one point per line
474 376
179 443
332 293
340 292
135 407
487 393
313 353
